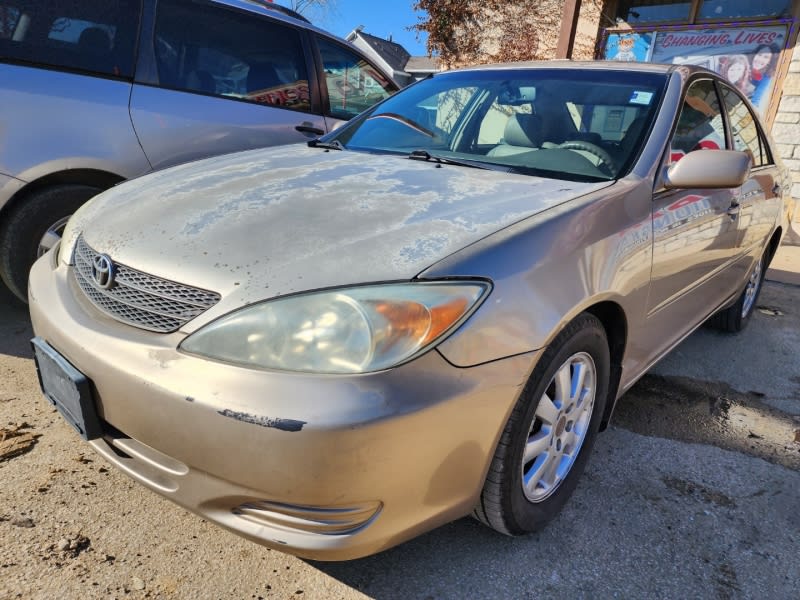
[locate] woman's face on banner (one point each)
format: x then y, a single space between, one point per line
762 60
735 71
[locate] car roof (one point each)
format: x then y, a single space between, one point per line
584 65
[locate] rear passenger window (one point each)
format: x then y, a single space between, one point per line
98 36
214 50
743 126
353 84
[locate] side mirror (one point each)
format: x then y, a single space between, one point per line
709 169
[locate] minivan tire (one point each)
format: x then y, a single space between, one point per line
24 226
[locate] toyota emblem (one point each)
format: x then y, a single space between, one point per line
103 271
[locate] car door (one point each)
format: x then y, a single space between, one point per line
349 83
695 231
761 193
212 79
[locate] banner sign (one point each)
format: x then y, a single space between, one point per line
747 57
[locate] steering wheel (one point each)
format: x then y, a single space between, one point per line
594 150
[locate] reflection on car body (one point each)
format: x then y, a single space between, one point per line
334 347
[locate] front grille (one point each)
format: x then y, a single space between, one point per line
139 299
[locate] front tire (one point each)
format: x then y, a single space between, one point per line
548 438
33 226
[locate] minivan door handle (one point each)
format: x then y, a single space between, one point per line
309 128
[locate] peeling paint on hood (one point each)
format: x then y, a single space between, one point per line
264 223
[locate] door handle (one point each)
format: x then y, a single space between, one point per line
733 210
309 128
776 189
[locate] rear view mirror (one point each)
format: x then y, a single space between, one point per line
513 95
709 169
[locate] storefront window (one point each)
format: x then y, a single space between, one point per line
653 11
736 9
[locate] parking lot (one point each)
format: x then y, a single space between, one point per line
693 492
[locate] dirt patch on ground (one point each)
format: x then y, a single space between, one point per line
690 410
15 441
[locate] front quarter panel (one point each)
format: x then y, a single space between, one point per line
549 268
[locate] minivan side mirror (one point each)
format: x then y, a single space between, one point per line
709 169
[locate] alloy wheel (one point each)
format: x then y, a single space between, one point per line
751 290
559 427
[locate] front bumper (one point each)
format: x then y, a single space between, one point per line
325 467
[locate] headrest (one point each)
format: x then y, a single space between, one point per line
523 130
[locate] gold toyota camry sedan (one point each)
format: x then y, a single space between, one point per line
331 348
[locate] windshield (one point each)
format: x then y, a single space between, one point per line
576 124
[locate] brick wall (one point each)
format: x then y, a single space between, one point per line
786 129
587 32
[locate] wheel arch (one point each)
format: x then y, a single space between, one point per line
93 177
612 316
772 245
614 320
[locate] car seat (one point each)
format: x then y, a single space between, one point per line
522 133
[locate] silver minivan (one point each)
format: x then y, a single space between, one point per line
94 92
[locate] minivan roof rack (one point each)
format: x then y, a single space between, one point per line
284 10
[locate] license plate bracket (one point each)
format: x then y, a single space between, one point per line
67 389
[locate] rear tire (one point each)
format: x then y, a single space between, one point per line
735 318
34 221
549 436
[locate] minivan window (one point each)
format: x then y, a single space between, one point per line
353 84
219 51
9 19
98 36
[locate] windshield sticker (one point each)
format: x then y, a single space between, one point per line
641 97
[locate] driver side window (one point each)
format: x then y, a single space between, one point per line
700 124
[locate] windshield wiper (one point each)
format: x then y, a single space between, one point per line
331 145
443 160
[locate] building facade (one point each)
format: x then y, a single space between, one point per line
393 57
752 43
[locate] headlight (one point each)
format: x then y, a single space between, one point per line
353 330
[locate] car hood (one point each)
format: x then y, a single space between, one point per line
263 223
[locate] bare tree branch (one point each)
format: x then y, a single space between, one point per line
302 6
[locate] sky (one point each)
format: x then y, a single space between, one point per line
379 17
